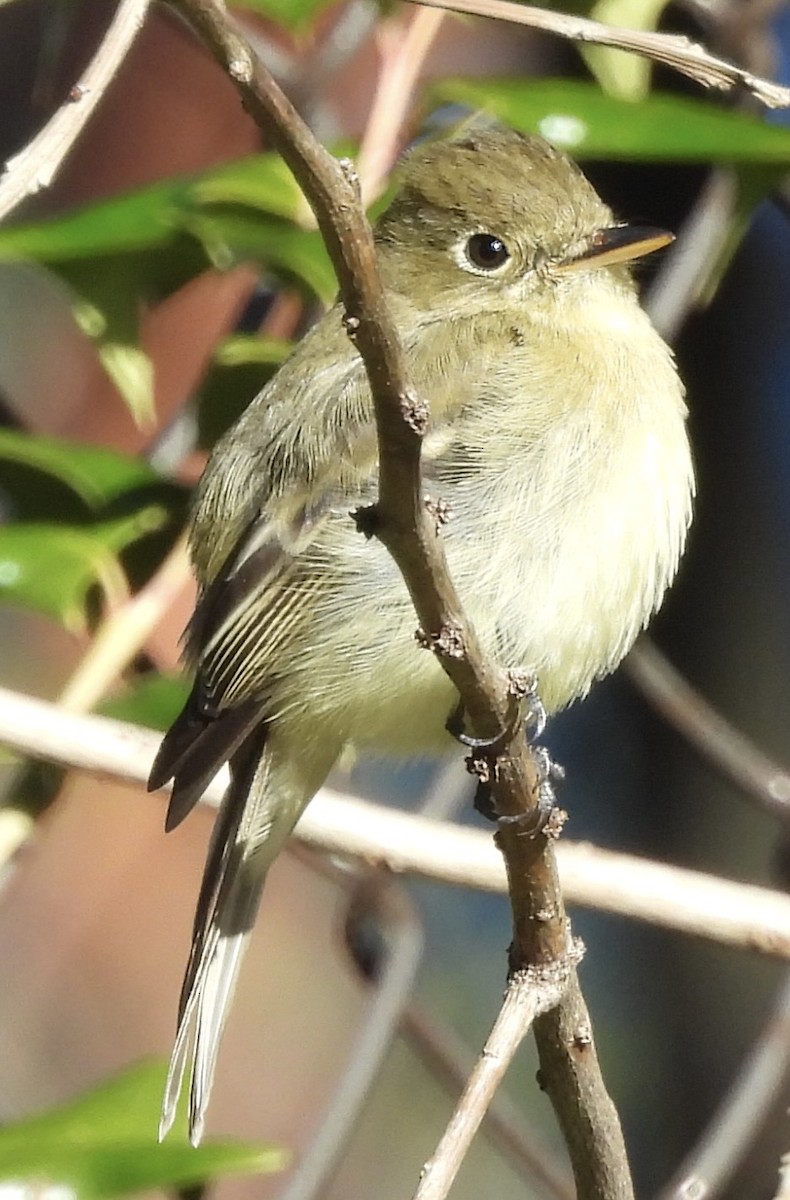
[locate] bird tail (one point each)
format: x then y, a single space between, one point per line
267 793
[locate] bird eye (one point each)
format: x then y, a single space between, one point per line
486 252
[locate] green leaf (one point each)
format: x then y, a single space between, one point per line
104 1145
578 117
262 182
153 701
243 349
105 503
132 372
149 218
51 569
618 72
119 533
233 235
97 475
107 307
133 250
296 15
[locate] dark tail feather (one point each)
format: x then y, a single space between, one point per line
223 840
235 871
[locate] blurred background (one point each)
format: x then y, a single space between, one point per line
96 904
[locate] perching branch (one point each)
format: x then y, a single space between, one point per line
34 167
541 934
669 49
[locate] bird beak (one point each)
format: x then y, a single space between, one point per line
620 243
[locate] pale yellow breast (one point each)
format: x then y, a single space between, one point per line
579 531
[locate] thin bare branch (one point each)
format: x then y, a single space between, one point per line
783 1191
125 631
760 1085
671 50
735 914
15 828
529 993
400 926
442 1052
317 64
731 753
34 167
696 253
403 53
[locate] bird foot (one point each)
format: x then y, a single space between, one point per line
524 705
539 818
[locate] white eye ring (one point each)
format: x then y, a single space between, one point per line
482 252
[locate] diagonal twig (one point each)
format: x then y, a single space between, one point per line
397 921
758 1089
403 52
529 993
34 167
695 256
669 49
443 1053
722 745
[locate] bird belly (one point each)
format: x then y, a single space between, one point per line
563 595
568 587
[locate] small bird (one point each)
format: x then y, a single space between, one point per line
557 437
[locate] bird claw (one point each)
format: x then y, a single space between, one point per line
524 703
549 773
539 819
537 716
523 694
484 802
488 746
524 686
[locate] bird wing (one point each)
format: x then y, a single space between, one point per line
263 506
242 621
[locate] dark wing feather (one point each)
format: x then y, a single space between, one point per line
195 748
242 616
